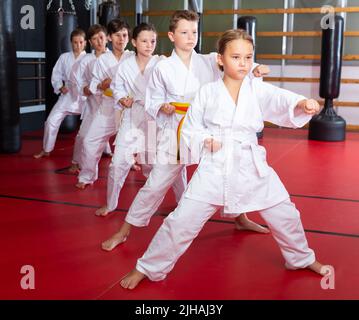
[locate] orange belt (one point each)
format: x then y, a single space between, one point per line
181 108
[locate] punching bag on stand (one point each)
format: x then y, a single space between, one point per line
61 20
139 12
10 139
249 24
108 10
328 126
197 6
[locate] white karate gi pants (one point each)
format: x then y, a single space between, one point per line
182 226
102 128
52 126
78 146
118 171
151 195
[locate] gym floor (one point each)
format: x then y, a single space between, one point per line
47 223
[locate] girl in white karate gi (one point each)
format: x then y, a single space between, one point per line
233 174
81 77
129 87
175 79
104 124
68 102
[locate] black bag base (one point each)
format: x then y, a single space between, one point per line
327 126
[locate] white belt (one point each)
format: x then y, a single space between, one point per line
251 142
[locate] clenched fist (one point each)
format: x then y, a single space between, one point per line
212 145
168 108
309 106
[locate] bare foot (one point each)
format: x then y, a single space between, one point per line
118 237
103 212
132 279
243 223
319 268
75 168
114 241
41 154
81 185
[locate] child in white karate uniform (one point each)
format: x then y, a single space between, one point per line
68 102
129 87
81 77
103 125
233 174
175 79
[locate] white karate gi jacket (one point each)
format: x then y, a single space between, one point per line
61 74
237 176
105 67
172 81
129 81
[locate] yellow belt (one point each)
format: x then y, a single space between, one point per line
108 93
181 108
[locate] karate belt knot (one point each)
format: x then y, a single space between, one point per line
181 109
248 142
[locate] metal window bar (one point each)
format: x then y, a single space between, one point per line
39 78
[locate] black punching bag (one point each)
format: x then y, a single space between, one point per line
328 126
249 24
61 20
10 140
197 6
108 10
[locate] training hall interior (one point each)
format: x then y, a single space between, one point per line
50 233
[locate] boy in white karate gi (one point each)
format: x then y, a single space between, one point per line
175 79
233 174
103 125
68 102
81 77
129 87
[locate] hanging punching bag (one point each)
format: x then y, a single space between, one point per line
61 20
10 140
108 10
249 24
328 126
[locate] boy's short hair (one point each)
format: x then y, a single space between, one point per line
178 15
95 29
116 25
78 33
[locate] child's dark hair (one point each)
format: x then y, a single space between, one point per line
78 33
142 27
230 35
95 29
116 25
182 15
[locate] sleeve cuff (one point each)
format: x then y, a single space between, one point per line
300 119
